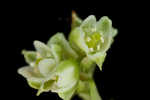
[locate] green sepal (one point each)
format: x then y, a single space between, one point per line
42 49
104 26
34 84
30 57
47 67
68 75
34 78
30 73
89 25
77 41
57 52
48 85
45 86
98 58
68 94
76 21
59 39
114 32
87 64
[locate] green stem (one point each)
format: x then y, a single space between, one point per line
93 91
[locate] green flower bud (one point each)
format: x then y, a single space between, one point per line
93 38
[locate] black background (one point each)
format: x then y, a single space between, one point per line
26 23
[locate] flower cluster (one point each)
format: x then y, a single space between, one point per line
66 67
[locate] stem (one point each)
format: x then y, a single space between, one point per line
93 91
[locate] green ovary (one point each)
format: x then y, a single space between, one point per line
94 42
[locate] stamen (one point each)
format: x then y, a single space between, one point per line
32 64
91 49
102 39
98 47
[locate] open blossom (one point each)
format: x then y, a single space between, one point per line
93 37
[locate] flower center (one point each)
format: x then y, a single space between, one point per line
94 42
